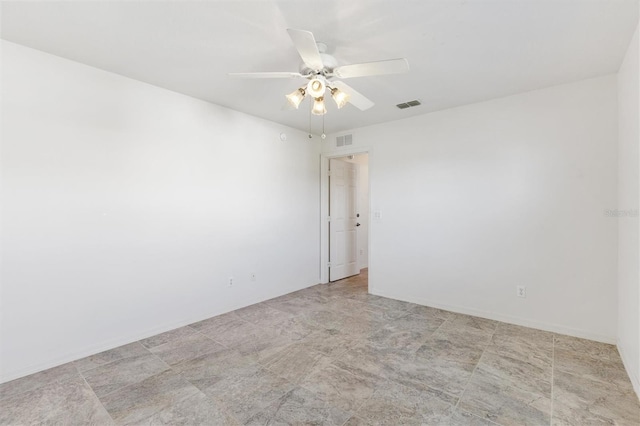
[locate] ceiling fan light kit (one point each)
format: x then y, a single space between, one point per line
321 69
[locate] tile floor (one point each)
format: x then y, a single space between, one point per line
335 354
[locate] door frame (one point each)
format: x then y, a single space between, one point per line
324 207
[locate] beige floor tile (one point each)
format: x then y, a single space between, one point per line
143 399
340 388
246 392
295 363
124 372
184 348
452 346
195 410
462 418
593 349
394 404
448 376
330 342
63 402
169 336
262 314
491 398
34 381
520 346
594 368
518 373
299 406
209 368
581 401
106 357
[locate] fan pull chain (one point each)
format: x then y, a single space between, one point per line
310 135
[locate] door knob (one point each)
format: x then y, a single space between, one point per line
357 224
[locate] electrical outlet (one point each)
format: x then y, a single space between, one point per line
230 281
521 291
253 276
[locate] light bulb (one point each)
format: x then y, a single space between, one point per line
318 107
340 97
296 97
316 88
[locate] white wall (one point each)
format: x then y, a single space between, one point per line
628 205
126 207
479 199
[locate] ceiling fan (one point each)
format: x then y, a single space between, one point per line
322 71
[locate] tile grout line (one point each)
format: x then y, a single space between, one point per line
218 404
135 383
210 338
112 361
375 390
214 340
171 367
483 419
484 350
214 399
280 310
98 399
353 413
440 326
331 363
263 405
82 373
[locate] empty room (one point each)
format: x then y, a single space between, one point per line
320 212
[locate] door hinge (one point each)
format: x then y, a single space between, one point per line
329 174
329 264
328 218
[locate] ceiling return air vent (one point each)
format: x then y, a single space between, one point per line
409 104
344 140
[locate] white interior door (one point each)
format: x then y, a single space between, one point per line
343 201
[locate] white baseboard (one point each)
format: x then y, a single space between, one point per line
633 375
554 328
125 340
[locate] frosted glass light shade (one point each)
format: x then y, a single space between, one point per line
340 97
318 107
296 97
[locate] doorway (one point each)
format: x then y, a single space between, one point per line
347 211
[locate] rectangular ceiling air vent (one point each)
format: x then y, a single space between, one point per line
344 140
409 104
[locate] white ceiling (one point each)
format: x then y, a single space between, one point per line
459 52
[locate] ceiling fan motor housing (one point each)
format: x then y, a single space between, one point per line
328 62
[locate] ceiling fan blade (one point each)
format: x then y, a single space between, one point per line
265 74
356 99
306 45
391 66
